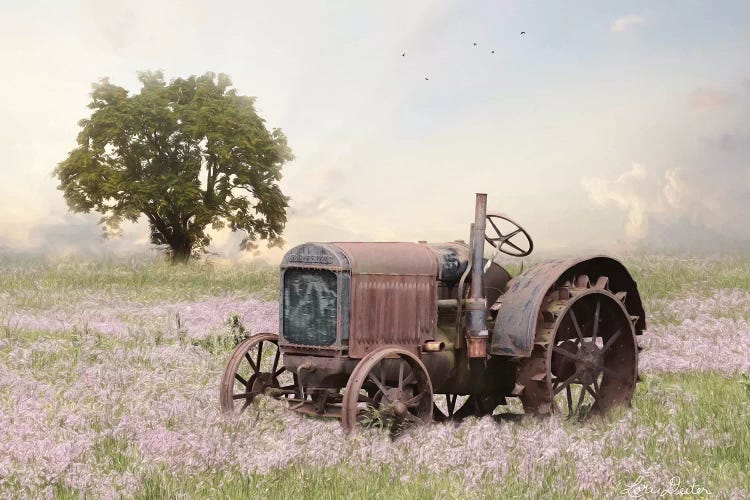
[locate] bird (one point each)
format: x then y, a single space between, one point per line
475 44
493 51
403 55
523 32
426 78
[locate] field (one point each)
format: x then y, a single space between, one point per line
109 376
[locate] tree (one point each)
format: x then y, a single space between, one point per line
186 154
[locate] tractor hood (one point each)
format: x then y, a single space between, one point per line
442 261
402 259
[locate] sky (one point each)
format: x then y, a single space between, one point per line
606 127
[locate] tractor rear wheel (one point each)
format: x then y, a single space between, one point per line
585 356
389 388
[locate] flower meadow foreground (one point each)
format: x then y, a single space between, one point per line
100 396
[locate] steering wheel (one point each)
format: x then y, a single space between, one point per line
502 242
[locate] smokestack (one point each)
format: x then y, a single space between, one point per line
476 307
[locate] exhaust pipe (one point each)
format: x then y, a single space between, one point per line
433 346
476 307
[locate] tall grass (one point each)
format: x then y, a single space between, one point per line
138 412
38 282
666 276
686 427
42 282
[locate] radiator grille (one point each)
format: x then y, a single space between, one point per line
310 299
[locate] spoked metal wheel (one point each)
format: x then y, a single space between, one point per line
389 388
255 367
585 357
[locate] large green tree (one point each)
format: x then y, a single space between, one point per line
186 154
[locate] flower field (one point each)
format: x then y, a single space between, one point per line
109 377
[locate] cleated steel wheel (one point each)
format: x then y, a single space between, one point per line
585 356
389 388
255 367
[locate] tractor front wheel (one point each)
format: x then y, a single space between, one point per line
255 367
389 388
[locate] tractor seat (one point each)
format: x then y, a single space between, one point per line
496 280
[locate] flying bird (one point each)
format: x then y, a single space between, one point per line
475 44
426 78
523 32
403 55
493 51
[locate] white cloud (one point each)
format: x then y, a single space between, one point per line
624 194
645 197
625 23
709 98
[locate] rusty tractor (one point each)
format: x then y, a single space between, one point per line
398 334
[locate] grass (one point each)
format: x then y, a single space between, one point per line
694 429
42 282
687 425
662 277
708 414
302 483
115 452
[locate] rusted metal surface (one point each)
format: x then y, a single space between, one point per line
433 346
316 256
395 259
477 253
476 331
310 408
585 358
453 259
518 315
496 279
393 295
327 371
249 373
397 387
387 309
509 244
476 347
374 325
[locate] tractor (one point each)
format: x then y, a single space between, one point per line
401 334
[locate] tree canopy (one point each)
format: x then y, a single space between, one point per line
186 154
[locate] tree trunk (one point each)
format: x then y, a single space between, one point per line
182 249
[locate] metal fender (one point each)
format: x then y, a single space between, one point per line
518 314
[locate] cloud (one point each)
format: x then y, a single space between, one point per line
645 198
115 23
707 98
339 215
733 141
76 234
625 23
623 193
